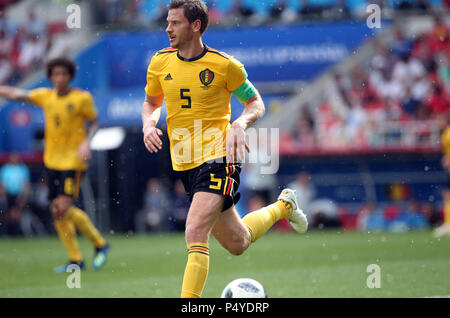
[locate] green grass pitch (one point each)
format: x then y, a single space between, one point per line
316 264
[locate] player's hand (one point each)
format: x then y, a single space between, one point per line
151 139
84 151
236 144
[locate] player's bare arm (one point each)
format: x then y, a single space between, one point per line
84 151
235 145
15 94
151 110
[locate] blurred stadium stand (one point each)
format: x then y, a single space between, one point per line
348 111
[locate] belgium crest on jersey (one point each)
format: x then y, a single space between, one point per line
206 76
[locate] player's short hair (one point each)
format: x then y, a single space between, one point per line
193 10
62 61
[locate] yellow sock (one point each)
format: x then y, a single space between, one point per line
447 212
66 232
260 221
196 270
84 224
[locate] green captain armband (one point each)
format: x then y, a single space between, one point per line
245 91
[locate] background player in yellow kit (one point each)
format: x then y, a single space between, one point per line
444 127
67 151
196 82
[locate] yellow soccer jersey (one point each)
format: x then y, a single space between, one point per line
65 126
197 93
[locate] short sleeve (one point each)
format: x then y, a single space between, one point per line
153 87
236 75
38 96
88 109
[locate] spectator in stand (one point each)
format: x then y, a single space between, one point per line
380 63
281 11
400 45
389 88
35 26
303 133
446 5
409 218
407 69
241 11
161 14
355 124
438 39
277 10
132 16
411 105
6 44
371 218
32 53
308 10
443 71
438 102
5 70
423 53
422 5
7 24
341 9
15 178
215 15
112 9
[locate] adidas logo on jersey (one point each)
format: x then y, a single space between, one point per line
168 77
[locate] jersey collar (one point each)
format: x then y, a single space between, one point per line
194 58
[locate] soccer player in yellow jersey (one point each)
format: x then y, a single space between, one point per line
67 110
444 127
197 82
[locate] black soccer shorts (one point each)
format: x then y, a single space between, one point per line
215 176
63 182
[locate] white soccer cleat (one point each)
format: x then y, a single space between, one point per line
298 219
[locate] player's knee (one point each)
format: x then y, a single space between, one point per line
59 207
196 233
55 211
65 203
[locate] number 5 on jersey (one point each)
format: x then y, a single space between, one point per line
187 98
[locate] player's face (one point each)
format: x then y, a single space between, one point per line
60 77
179 29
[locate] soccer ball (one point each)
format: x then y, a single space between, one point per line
244 288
